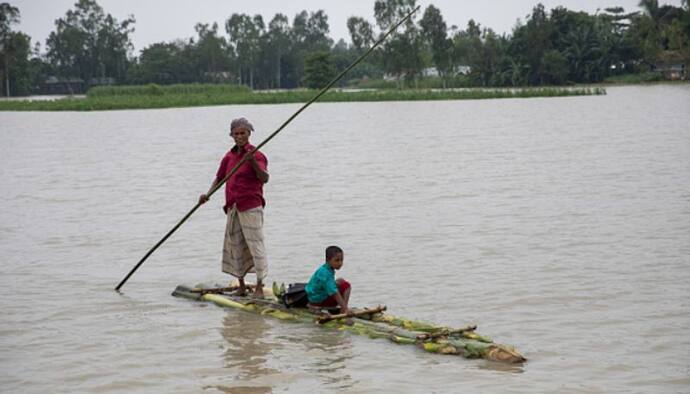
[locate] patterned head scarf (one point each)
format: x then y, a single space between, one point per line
241 122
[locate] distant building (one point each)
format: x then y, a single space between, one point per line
672 71
464 70
61 85
390 77
672 65
54 85
101 81
430 72
458 70
218 76
433 72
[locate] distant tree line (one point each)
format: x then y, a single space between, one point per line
553 47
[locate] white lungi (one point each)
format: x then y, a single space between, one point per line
243 248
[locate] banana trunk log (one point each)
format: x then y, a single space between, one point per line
431 338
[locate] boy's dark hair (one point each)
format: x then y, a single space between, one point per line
331 251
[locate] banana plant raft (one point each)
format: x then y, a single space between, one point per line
371 322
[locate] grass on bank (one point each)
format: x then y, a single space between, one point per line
193 95
162 90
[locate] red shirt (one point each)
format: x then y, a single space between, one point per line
243 188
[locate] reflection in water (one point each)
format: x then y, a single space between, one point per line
331 350
247 352
253 344
244 389
502 367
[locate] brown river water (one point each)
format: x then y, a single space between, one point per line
558 225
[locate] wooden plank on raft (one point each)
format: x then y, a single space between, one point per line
366 311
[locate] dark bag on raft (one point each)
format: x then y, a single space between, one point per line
295 296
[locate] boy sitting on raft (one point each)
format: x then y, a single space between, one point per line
323 291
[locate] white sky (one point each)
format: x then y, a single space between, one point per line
166 20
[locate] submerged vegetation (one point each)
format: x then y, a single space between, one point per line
155 96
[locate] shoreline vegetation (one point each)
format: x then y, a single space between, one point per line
549 48
195 95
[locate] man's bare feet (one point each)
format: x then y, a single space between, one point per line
258 292
241 291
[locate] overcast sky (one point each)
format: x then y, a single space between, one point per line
166 20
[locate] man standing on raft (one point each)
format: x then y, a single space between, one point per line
243 248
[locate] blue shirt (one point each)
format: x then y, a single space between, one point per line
322 284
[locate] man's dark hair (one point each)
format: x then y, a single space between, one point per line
331 251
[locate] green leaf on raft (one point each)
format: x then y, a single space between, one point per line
402 340
441 348
477 337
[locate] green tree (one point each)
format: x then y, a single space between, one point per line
467 51
317 32
402 53
363 37
18 71
435 33
490 60
685 19
389 12
165 63
309 33
9 16
245 33
514 72
361 33
582 53
211 53
659 29
278 42
674 35
649 28
343 55
555 67
319 69
531 41
90 44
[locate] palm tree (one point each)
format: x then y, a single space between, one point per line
581 49
514 72
651 8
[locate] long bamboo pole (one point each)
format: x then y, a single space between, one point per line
264 142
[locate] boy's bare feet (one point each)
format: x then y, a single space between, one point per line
317 310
